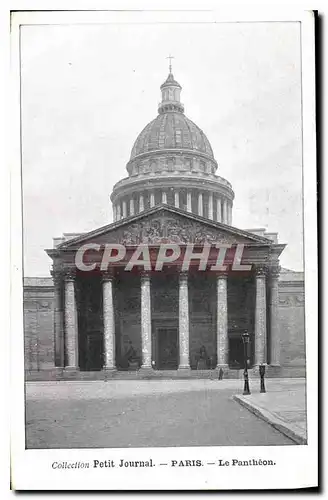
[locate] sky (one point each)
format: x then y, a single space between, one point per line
87 91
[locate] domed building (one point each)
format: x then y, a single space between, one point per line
172 163
170 288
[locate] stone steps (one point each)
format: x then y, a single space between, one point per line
60 374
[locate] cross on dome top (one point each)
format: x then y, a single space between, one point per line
170 65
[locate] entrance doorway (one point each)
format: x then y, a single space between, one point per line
94 353
167 348
236 352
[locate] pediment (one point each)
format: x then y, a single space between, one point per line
166 225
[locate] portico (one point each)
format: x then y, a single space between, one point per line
164 318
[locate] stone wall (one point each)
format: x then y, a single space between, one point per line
292 322
38 323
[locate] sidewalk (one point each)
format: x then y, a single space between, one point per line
283 406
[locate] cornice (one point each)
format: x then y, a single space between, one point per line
172 152
145 182
254 241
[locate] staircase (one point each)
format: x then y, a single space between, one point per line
60 374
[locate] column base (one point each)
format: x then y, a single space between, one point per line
109 372
184 371
70 372
145 371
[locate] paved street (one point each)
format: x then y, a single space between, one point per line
142 413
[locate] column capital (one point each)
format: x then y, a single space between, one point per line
70 274
274 271
145 275
57 276
222 275
183 276
107 275
261 270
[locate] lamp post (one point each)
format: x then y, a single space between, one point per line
245 337
262 373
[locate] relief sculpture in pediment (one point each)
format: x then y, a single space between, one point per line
168 229
152 231
177 232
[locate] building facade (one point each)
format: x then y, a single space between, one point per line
166 319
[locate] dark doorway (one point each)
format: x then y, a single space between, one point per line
236 352
90 322
167 348
94 354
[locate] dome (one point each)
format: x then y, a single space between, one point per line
171 130
172 163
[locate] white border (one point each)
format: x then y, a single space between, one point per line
296 466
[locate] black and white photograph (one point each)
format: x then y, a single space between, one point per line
164 207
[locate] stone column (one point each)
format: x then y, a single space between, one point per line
229 214
260 316
164 197
225 212
222 321
274 320
58 320
210 206
109 323
218 210
71 328
183 322
131 206
114 212
118 211
176 199
200 204
124 209
141 203
188 201
152 200
146 322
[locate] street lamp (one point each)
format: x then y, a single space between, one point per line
245 337
262 373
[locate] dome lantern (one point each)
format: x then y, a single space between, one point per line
171 90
